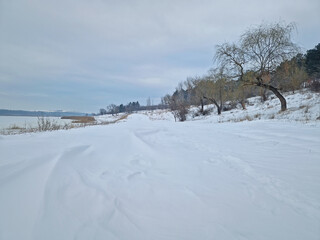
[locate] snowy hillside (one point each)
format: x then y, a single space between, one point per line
303 106
149 178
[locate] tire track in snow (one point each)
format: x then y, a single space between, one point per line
10 171
275 188
69 195
102 209
275 138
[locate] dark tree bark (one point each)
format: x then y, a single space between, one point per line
275 91
215 103
202 105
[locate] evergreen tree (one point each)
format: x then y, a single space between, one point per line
313 62
122 108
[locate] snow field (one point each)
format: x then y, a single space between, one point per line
143 179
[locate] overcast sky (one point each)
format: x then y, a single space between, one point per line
86 54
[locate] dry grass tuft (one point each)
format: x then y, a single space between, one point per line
15 127
246 118
80 119
257 115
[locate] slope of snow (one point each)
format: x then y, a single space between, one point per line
160 180
303 106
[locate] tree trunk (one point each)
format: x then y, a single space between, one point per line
202 105
215 103
276 92
263 95
219 110
243 100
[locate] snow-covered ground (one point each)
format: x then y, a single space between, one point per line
303 106
144 178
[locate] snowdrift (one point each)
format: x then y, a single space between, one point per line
144 178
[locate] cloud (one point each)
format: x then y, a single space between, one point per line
133 44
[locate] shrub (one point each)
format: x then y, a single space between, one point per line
180 113
203 113
47 124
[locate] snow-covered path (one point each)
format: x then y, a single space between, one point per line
153 180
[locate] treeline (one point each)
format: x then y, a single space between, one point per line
263 60
129 108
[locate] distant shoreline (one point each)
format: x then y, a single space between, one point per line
24 113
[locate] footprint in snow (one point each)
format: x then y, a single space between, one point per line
140 162
134 175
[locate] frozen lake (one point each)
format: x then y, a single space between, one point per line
20 121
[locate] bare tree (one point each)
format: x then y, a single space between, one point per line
260 50
216 88
112 108
199 87
102 111
233 59
177 104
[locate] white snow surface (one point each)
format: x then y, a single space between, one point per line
303 106
151 179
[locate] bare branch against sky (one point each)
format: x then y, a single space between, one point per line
83 55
